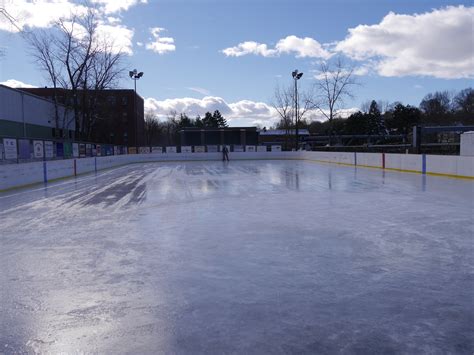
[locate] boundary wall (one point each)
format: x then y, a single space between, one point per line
24 174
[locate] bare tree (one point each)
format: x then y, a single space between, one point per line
335 83
76 58
13 21
284 104
171 125
152 127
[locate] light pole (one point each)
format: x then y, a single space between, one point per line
135 75
296 76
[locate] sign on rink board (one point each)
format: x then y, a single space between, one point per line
170 149
261 148
186 149
75 150
48 149
250 148
276 148
9 145
157 150
199 149
38 149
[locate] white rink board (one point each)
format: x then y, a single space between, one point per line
14 175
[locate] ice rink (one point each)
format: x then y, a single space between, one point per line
245 257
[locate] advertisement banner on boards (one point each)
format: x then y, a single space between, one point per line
38 149
132 150
1 151
250 148
48 149
24 149
144 150
82 150
9 146
98 150
157 150
88 150
212 148
238 148
186 149
75 150
261 148
276 148
199 149
116 150
170 149
59 150
67 150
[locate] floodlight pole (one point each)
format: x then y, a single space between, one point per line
296 77
135 75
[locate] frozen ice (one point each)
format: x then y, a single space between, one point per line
239 257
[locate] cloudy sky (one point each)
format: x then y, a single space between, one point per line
202 55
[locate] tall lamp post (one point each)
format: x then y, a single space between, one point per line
296 76
135 75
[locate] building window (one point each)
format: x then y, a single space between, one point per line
124 100
111 100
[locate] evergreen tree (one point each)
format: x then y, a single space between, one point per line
219 119
184 121
198 122
375 120
208 121
403 118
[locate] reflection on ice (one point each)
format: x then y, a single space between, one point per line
244 257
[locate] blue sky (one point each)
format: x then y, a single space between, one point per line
229 55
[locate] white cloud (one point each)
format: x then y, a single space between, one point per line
249 47
300 47
13 83
113 6
199 90
121 37
40 13
140 44
241 113
160 45
437 43
113 20
44 13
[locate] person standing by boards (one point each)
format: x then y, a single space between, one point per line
225 153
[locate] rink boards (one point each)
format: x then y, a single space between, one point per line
18 175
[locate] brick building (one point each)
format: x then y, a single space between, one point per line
117 116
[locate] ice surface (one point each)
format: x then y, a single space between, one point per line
245 257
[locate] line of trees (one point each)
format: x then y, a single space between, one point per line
336 84
380 118
165 132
